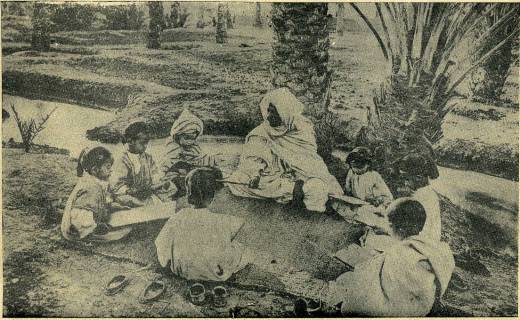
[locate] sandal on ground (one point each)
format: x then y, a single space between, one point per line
117 284
152 291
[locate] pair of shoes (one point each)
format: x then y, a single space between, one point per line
306 307
198 296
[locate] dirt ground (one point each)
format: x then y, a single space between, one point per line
43 275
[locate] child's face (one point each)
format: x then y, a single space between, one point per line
187 139
139 144
358 168
104 172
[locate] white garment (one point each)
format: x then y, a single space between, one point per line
199 245
430 201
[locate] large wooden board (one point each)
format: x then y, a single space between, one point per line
142 214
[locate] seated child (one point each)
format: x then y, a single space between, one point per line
197 243
405 280
185 154
87 209
135 179
364 183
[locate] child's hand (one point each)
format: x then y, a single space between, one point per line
254 183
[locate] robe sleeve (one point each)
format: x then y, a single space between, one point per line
119 178
92 199
380 189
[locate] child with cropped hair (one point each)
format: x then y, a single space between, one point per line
197 243
136 178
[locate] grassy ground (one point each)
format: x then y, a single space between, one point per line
224 83
45 276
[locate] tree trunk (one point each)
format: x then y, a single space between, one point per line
156 13
175 15
221 33
229 18
258 16
300 62
340 18
41 23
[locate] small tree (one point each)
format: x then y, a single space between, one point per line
156 13
258 16
221 33
30 128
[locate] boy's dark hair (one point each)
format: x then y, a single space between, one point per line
360 155
418 165
407 218
133 130
202 184
94 158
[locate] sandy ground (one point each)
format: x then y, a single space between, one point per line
45 276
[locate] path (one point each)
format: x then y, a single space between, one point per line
494 199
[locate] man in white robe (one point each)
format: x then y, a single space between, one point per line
280 158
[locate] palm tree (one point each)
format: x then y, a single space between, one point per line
42 25
300 61
419 42
156 13
340 16
487 82
221 33
258 16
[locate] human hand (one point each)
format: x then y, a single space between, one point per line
254 182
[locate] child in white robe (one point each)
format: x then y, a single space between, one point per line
197 243
88 207
405 280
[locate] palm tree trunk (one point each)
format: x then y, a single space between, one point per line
41 23
221 32
258 16
156 24
300 62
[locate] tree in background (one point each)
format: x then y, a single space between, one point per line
123 17
70 17
221 33
229 18
173 18
487 81
340 16
419 42
42 26
177 18
202 15
156 13
300 62
258 16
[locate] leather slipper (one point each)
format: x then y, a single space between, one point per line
117 284
152 291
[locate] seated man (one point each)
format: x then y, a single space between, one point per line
406 279
280 159
197 243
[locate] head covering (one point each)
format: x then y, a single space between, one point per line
288 106
187 123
